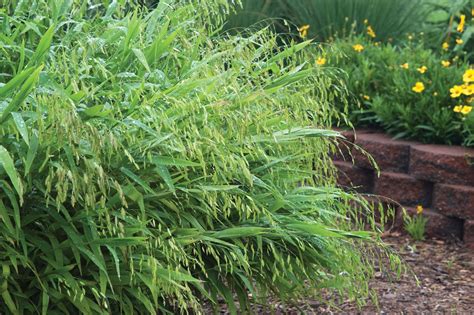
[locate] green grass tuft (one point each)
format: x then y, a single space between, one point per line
148 165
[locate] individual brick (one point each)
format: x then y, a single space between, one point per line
438 225
402 188
443 164
469 234
390 155
454 200
350 176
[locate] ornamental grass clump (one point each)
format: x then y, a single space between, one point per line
147 165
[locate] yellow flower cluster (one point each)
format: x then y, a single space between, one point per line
462 109
467 88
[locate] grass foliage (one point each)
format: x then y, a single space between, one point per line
147 165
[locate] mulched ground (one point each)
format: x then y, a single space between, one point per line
445 270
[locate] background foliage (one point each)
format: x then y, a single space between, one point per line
388 101
390 33
149 164
329 19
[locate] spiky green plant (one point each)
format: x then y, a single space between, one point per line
147 165
329 19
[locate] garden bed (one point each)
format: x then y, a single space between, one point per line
438 177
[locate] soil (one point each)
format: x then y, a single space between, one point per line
445 270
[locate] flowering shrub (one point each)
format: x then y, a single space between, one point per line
409 91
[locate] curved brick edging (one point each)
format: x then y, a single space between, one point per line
439 177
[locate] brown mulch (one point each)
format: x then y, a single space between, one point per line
445 270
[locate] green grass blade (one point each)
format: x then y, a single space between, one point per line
22 94
8 165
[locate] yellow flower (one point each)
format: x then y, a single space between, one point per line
377 44
456 91
370 32
422 69
462 21
468 89
457 109
459 41
445 46
358 47
405 65
445 63
468 76
321 61
435 93
366 97
418 87
303 30
466 110
410 37
366 21
419 209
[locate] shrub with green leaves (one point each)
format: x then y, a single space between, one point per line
147 165
382 79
